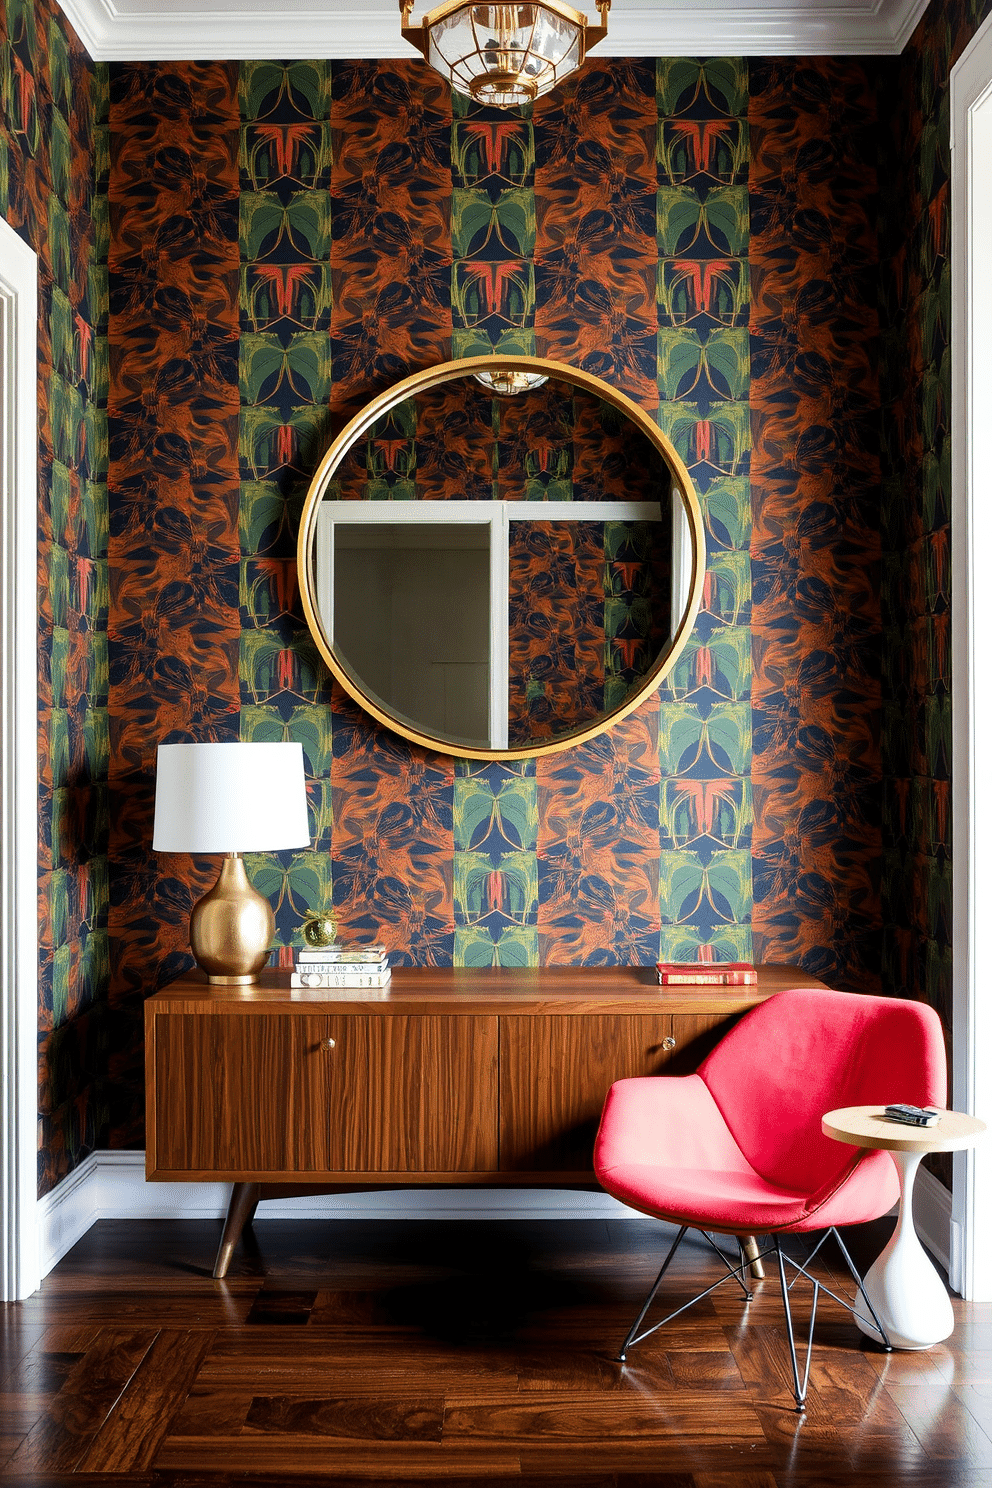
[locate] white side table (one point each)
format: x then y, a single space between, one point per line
903 1285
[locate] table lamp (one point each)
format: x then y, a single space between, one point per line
231 799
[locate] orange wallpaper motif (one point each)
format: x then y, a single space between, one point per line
610 230
174 630
815 549
53 162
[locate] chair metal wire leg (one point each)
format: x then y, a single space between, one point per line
734 1273
861 1288
737 1272
800 1385
621 1356
799 1389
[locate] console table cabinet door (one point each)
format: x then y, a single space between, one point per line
261 1094
555 1072
434 1091
695 1035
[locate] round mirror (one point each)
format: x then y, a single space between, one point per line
500 557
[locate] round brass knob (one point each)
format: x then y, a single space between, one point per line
668 1043
328 1043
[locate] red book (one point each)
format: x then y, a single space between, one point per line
707 974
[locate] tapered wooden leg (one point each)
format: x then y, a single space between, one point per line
749 1246
240 1212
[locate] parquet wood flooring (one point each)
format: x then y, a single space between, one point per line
483 1352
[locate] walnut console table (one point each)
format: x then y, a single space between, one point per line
494 1078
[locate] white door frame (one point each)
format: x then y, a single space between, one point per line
971 648
19 1259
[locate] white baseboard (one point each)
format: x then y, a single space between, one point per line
932 1213
112 1185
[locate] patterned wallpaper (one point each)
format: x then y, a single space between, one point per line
815 550
916 495
175 627
288 240
53 166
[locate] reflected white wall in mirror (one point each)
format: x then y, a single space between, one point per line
422 647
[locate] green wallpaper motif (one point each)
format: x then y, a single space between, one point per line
915 283
53 182
704 735
493 308
285 380
495 864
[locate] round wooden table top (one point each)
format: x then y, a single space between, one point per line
868 1126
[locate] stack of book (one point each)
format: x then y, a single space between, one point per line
707 974
341 966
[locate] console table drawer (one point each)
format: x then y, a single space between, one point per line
308 1093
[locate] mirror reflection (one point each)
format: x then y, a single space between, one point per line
497 571
406 648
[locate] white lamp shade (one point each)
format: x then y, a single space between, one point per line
227 798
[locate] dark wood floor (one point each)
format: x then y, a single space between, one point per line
471 1352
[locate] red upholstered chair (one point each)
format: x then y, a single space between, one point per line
737 1147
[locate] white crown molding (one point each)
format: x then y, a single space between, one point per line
145 31
906 16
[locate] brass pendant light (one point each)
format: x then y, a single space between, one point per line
507 384
503 54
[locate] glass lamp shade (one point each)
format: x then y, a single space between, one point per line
505 54
230 798
509 383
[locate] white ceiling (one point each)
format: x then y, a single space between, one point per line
157 30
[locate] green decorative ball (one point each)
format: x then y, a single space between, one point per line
319 930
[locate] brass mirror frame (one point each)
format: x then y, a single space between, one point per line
420 382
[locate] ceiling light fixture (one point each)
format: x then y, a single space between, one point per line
503 54
509 383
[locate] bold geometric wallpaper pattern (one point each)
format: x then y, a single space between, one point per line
815 550
175 626
53 181
916 373
288 240
384 226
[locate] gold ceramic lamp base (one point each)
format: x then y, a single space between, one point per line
232 927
